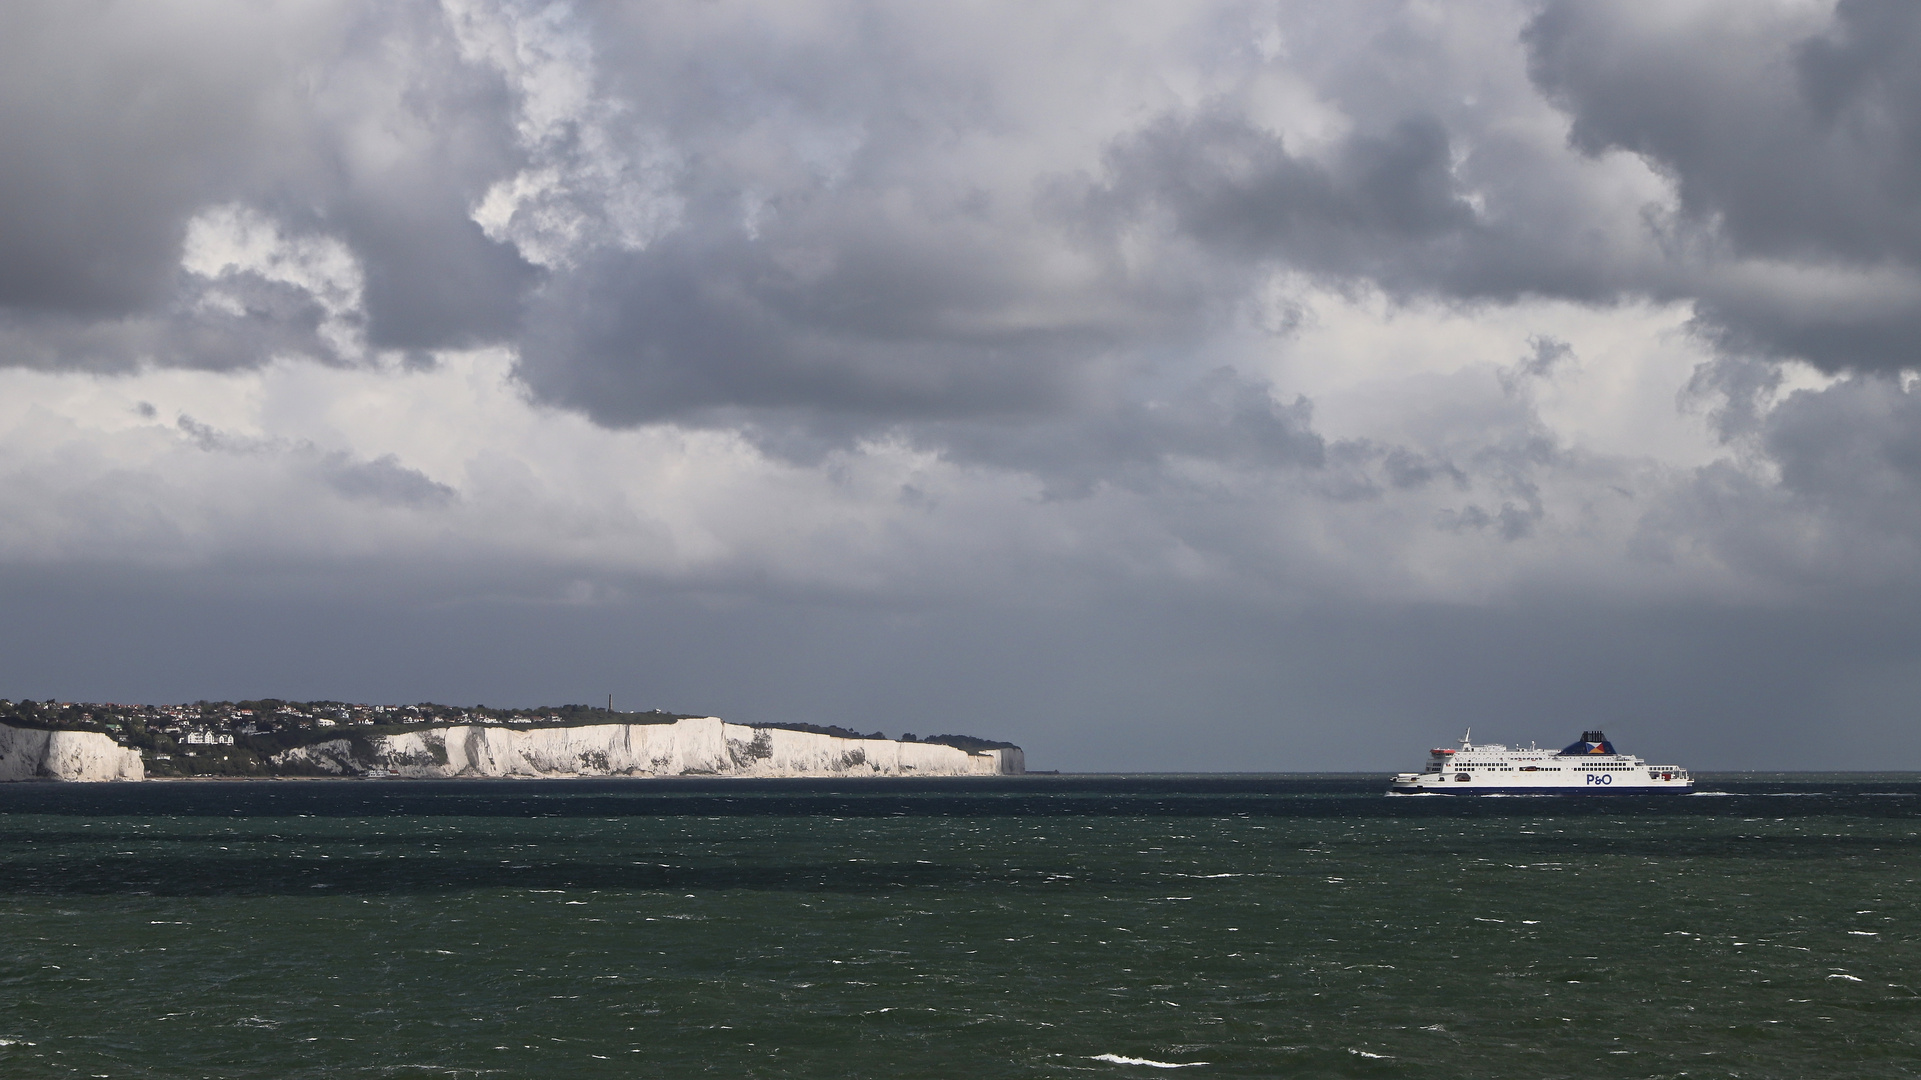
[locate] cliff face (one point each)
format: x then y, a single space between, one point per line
31 754
699 747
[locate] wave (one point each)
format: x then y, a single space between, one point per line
1149 1062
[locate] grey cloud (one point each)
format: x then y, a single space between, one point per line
116 130
1222 417
1799 140
205 436
445 132
837 314
251 321
383 480
121 123
1735 392
1548 353
1826 330
1849 458
239 321
831 262
827 269
1787 138
824 278
1821 499
1405 469
437 283
1822 496
434 281
827 278
1510 522
1235 186
687 327
1403 203
1859 440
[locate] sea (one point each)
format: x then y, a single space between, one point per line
1041 926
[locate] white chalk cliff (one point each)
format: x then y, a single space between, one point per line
706 746
32 754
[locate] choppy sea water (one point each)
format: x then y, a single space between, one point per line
1254 926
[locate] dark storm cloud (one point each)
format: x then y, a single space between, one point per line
112 141
1793 141
1787 139
874 286
835 264
1233 186
838 313
258 320
122 121
1799 144
1404 202
1222 417
411 136
686 327
1837 512
433 280
832 309
826 267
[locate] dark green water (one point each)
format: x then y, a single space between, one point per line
1268 926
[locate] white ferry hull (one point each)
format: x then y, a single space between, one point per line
1590 766
1598 787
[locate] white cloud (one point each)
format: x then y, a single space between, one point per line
1444 483
223 242
594 176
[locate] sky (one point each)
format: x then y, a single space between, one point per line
1251 386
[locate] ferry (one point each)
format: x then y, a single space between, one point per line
1590 766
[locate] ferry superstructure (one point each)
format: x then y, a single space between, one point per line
1590 766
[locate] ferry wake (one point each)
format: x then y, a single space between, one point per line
1590 766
